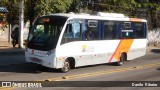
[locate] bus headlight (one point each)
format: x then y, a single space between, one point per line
50 52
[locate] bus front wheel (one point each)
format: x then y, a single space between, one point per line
66 67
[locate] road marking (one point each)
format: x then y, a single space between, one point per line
102 72
7 88
91 74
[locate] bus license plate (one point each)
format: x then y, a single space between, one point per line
36 60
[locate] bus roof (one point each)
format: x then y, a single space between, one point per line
100 16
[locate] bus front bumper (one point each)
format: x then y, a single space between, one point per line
47 61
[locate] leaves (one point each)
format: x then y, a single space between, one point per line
36 8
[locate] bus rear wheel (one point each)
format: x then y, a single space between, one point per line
121 61
66 67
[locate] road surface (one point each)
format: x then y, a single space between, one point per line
146 68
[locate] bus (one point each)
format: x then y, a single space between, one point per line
67 40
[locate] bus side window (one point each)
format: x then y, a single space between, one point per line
139 30
111 30
91 32
127 30
84 29
68 31
72 30
76 29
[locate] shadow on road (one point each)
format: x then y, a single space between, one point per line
155 50
12 60
36 69
26 68
11 51
158 69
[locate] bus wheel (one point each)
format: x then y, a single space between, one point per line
66 67
121 61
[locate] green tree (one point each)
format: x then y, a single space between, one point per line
153 12
36 8
119 6
11 6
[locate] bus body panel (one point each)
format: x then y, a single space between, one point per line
98 52
89 52
138 49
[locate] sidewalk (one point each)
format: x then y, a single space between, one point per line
7 49
153 49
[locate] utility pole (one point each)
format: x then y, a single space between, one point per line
21 24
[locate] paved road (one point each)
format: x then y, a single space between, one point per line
13 68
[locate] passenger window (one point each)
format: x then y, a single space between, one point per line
111 30
68 31
76 29
90 30
72 29
127 30
139 30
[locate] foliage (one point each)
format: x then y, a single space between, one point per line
10 5
36 8
148 9
51 6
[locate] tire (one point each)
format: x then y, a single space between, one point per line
121 61
66 67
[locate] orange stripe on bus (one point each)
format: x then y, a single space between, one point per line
123 46
135 20
115 52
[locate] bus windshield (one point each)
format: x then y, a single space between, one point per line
45 33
